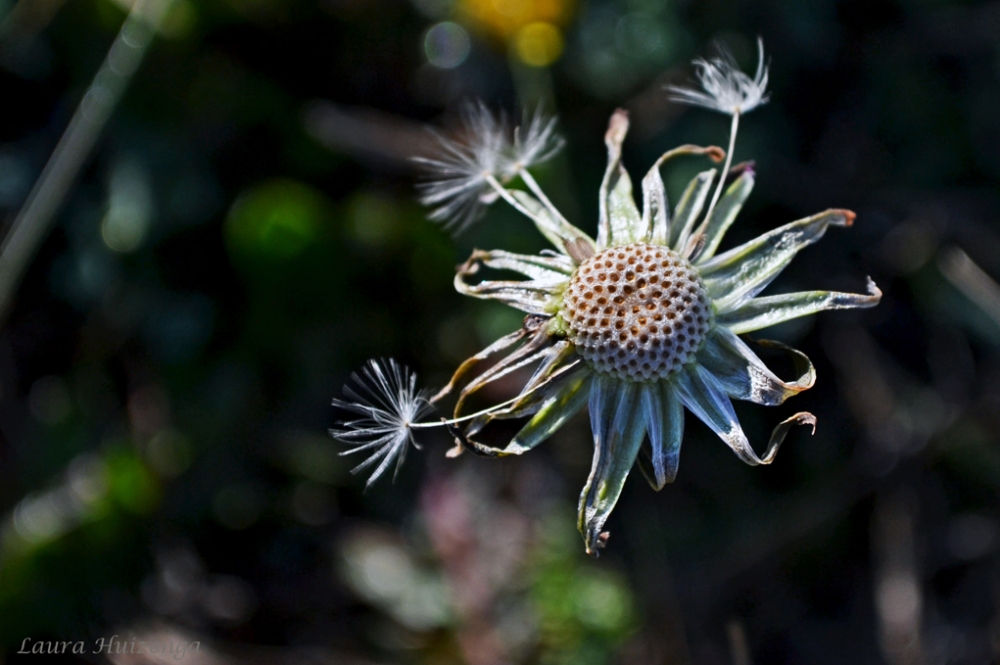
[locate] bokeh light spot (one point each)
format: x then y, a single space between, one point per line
375 219
130 208
39 518
638 34
169 453
378 568
314 458
899 600
230 599
131 483
86 478
602 602
517 10
505 18
447 45
539 44
179 21
276 220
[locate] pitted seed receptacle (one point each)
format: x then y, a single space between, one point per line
637 311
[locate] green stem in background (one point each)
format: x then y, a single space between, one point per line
535 90
35 219
533 85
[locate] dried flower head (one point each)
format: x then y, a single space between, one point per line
469 169
724 87
637 324
387 399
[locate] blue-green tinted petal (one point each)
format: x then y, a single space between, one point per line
735 276
723 215
534 296
758 313
624 218
539 347
655 225
689 209
619 425
620 222
556 398
665 429
705 398
655 211
525 296
544 268
504 342
555 410
743 375
557 230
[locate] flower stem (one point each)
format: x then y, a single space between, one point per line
506 195
529 180
729 160
485 412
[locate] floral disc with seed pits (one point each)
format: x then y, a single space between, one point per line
637 312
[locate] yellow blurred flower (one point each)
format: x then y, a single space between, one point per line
539 44
532 28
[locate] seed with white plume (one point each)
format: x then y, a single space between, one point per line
724 87
389 404
537 144
461 177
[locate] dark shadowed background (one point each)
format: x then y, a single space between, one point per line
244 233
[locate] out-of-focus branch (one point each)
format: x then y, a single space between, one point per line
971 280
651 110
898 593
33 222
371 136
738 647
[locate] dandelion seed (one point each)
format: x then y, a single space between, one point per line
724 87
465 176
538 144
387 399
727 90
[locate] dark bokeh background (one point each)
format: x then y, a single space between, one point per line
244 235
